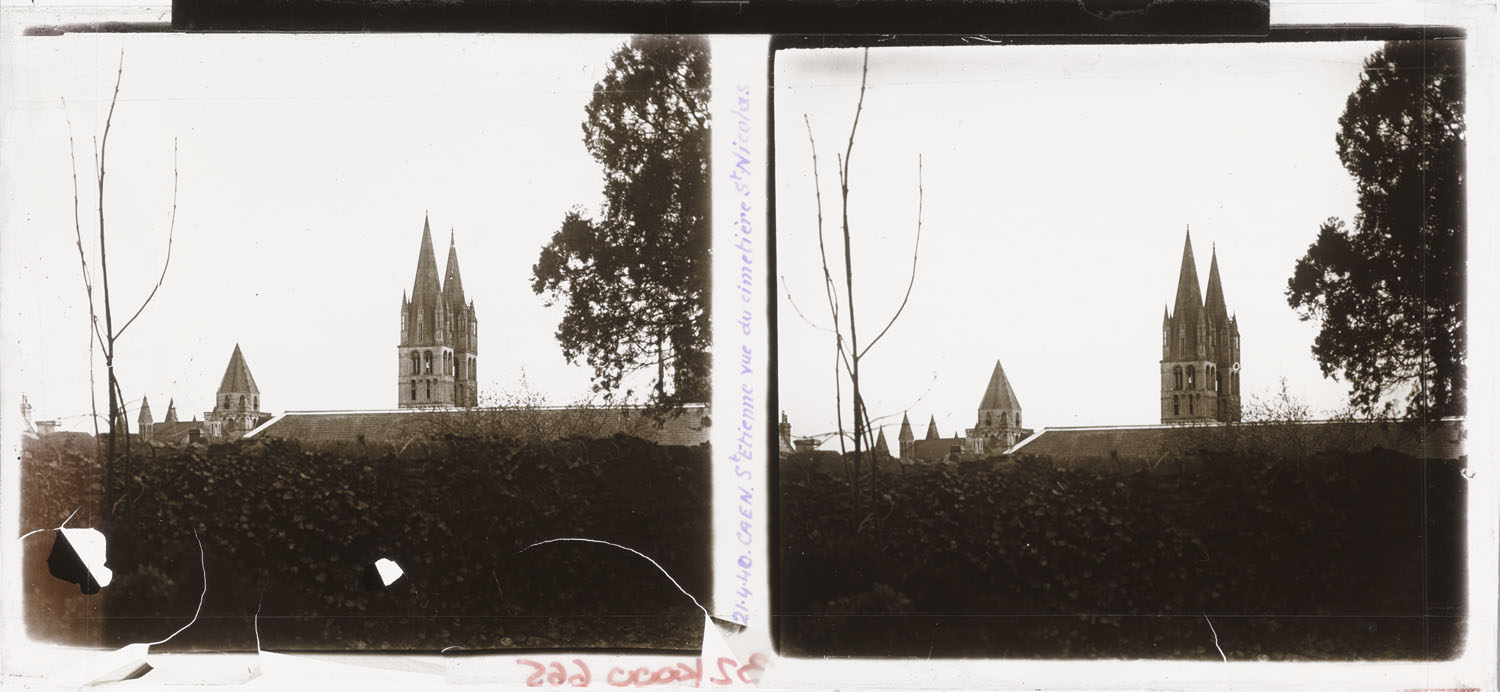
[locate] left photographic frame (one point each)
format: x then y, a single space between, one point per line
217 245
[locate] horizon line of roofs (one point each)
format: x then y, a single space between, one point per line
436 381
1199 367
997 428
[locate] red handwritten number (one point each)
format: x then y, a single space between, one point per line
583 678
618 683
756 666
726 665
558 676
537 673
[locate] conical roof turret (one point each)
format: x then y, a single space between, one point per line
999 395
237 378
171 411
881 446
906 434
932 431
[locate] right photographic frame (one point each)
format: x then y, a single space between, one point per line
1129 350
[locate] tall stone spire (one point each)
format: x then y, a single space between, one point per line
436 358
1189 300
1213 302
1200 379
932 431
453 285
426 292
171 411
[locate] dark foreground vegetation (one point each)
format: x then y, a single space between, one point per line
288 532
1335 557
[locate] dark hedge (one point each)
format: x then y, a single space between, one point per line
1353 556
290 531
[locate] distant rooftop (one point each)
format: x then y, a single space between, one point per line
1442 440
399 426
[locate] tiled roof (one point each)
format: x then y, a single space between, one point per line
690 428
237 378
174 432
936 449
999 395
1445 440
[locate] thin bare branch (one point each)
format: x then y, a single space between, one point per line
858 108
916 247
88 284
103 253
797 309
844 161
171 231
829 287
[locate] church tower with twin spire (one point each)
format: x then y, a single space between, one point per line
1200 349
438 356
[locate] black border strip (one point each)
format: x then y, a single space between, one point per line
844 17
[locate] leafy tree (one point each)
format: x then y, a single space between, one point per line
1389 289
635 280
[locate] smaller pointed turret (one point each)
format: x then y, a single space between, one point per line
453 285
145 424
171 411
145 418
932 431
881 446
905 439
1213 302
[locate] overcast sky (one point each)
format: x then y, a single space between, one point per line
1058 183
306 166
